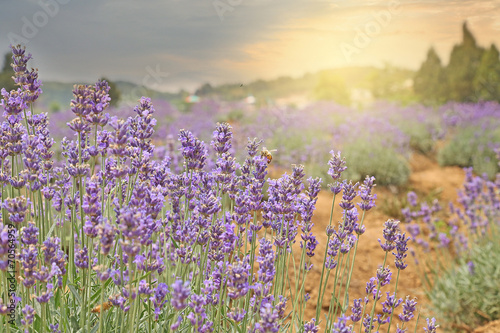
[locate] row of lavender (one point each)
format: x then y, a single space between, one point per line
110 238
462 248
385 131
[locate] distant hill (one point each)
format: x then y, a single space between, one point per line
62 93
382 83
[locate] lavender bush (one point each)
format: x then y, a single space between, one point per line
473 136
112 238
464 240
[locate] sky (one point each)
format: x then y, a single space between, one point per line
173 44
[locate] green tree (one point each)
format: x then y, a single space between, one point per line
204 90
7 73
331 87
429 82
487 79
461 70
114 92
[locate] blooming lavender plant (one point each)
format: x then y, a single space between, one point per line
116 237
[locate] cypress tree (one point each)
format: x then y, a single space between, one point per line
487 79
430 81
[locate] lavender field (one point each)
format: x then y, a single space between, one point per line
152 219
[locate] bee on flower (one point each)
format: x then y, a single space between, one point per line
267 154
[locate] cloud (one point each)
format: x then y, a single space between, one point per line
256 38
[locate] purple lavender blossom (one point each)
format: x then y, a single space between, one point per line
444 241
28 316
340 326
384 275
356 310
17 208
471 267
268 319
20 62
193 150
236 314
401 249
267 269
390 234
371 286
221 138
390 303
348 195
82 258
13 103
431 326
365 193
409 307
412 198
179 292
159 298
366 323
333 249
8 242
54 328
237 277
311 327
337 165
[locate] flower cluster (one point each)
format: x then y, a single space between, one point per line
118 234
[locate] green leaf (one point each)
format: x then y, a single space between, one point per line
51 229
75 293
95 328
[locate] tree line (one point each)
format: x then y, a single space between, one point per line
472 74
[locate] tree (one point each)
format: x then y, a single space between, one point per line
461 70
7 73
114 92
429 82
487 79
204 90
331 87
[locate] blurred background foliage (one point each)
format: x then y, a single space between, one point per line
385 113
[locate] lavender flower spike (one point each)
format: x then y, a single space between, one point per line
431 326
337 165
390 235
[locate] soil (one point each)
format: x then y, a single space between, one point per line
426 177
492 327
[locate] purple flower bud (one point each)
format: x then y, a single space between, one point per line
356 310
444 241
193 150
221 138
180 292
412 198
17 208
237 276
237 315
384 276
390 234
401 249
13 103
82 258
365 193
390 304
409 307
471 267
28 316
431 326
337 165
311 327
